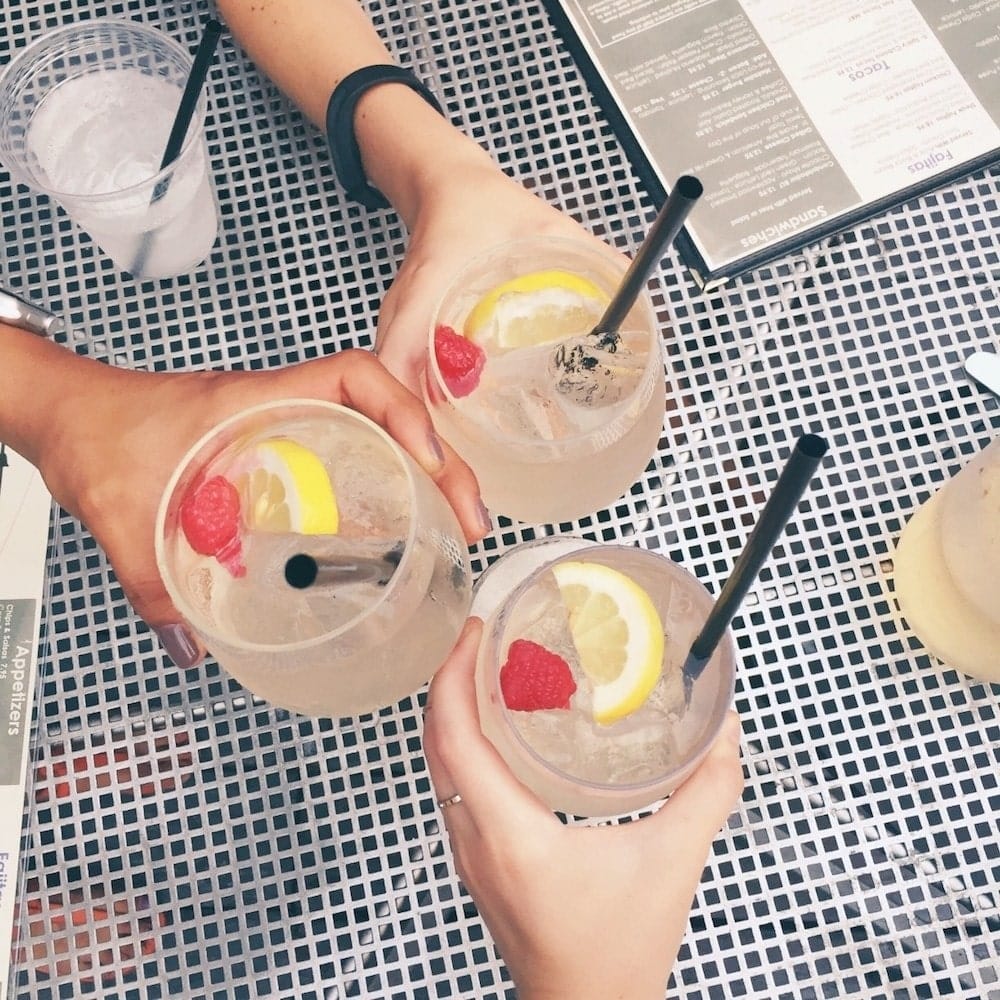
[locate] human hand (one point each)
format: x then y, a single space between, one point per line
468 209
452 197
110 449
583 912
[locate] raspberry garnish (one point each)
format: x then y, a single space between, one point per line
210 519
535 678
459 360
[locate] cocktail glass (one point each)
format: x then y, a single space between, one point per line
577 765
85 113
304 479
947 568
553 429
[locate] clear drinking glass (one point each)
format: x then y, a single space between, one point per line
947 568
85 114
551 436
575 764
314 482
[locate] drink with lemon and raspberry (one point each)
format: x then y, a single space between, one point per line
306 479
579 678
555 422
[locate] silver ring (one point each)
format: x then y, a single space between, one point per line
452 800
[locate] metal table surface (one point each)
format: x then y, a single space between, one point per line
185 839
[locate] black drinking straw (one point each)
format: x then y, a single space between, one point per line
304 570
791 484
182 120
662 233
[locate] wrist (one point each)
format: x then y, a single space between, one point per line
634 984
34 375
577 991
408 149
341 112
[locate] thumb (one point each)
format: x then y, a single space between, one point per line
402 348
701 805
404 323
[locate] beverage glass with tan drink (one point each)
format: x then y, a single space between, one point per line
320 565
947 569
580 673
555 421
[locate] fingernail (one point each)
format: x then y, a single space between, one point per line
178 644
435 448
484 517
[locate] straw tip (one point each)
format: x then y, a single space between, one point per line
689 187
695 663
812 446
301 571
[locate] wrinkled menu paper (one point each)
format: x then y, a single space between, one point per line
25 505
799 118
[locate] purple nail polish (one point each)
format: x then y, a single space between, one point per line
434 444
178 644
484 517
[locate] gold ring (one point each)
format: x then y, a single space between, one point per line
452 800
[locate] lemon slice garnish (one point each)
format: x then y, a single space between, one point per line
287 488
617 634
535 308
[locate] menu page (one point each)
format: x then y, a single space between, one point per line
797 118
25 506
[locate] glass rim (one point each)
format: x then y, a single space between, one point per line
727 649
406 464
655 360
195 131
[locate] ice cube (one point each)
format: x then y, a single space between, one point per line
527 411
371 490
596 372
515 391
551 735
667 697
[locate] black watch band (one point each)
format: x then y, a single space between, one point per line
340 127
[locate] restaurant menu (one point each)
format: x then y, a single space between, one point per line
25 505
799 118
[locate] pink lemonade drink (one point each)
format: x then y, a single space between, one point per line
579 678
303 481
555 422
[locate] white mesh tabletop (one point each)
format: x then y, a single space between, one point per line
184 839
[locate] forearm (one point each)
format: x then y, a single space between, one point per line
308 46
53 403
34 376
305 46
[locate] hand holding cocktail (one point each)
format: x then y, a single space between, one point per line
320 565
545 369
107 439
442 242
594 912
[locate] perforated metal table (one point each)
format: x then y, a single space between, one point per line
185 839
